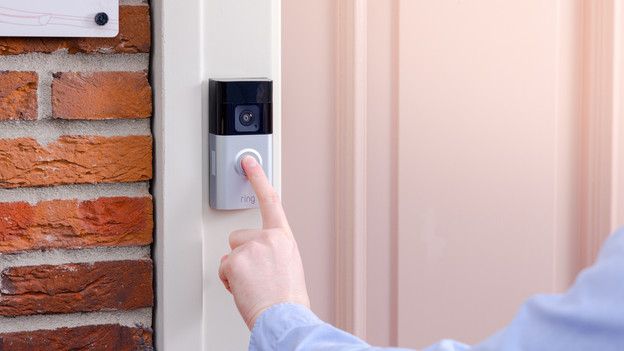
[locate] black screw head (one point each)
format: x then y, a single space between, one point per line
101 18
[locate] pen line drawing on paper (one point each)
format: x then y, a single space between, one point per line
28 18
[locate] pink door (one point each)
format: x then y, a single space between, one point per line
445 160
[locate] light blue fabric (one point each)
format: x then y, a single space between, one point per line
588 317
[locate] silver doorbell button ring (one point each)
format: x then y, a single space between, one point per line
241 124
238 165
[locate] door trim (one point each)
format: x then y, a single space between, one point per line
617 175
177 184
351 154
193 311
601 126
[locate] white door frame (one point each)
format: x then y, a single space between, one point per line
193 41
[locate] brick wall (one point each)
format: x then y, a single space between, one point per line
76 216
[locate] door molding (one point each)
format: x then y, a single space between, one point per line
177 183
601 125
351 152
617 171
366 169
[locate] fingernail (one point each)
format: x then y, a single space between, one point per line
249 161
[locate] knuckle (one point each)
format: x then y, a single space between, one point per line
224 270
237 233
254 248
241 236
273 197
274 238
268 237
233 261
233 236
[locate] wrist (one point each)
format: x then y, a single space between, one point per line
251 323
279 318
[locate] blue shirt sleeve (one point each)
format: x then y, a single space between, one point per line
589 316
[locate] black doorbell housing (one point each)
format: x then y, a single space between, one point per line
241 106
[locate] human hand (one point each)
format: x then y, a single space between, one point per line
264 267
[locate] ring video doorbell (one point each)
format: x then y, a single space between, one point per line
241 124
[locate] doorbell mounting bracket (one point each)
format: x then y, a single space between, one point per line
241 124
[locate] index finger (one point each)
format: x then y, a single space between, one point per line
270 207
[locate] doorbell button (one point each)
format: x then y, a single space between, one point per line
238 164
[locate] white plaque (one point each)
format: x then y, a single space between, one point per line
59 18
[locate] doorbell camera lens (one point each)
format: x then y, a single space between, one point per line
246 118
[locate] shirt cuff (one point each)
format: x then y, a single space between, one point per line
276 321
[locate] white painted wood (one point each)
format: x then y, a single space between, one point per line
58 18
240 38
192 43
178 175
351 147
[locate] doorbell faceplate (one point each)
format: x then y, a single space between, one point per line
241 124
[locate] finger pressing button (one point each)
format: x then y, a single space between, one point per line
238 164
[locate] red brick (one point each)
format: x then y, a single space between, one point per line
75 159
79 287
72 224
18 95
133 37
91 337
101 95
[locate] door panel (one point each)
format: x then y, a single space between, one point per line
480 156
479 164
